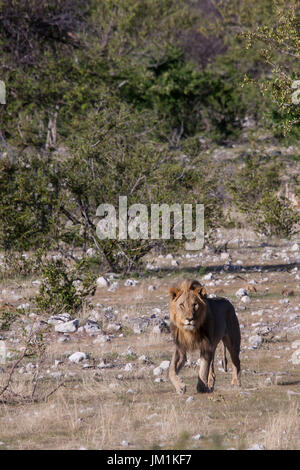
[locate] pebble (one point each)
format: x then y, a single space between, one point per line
102 282
157 371
78 357
68 327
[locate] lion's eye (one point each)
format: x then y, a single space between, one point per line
181 306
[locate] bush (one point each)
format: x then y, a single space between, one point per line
64 288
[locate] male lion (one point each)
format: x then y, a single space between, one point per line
198 322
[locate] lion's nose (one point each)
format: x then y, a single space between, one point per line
190 319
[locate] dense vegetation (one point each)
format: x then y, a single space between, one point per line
109 98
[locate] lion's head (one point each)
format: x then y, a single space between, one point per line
188 306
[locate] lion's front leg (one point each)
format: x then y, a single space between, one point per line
178 361
205 364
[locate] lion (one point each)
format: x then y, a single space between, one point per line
199 322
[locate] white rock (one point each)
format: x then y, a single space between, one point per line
296 344
295 247
101 339
165 365
68 327
92 328
255 341
78 357
208 277
113 286
256 447
197 437
241 292
58 319
258 313
189 399
128 367
64 339
24 306
157 371
245 299
91 252
296 357
130 282
102 282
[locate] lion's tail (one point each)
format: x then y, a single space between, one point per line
224 360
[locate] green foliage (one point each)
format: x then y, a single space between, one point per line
7 317
106 165
64 288
255 191
271 29
275 217
28 202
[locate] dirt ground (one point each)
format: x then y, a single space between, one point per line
113 400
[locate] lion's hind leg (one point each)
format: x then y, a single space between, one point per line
234 351
224 359
211 376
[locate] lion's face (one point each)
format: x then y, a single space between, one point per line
188 306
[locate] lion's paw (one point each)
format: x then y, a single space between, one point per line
181 389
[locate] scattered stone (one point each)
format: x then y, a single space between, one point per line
78 357
255 341
58 319
130 282
102 282
113 327
151 288
241 292
292 393
128 367
162 327
197 437
259 313
189 399
296 357
25 306
295 247
113 286
157 371
158 380
256 447
165 365
296 344
245 299
92 328
101 339
68 327
208 277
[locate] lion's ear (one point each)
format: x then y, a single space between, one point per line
201 291
174 291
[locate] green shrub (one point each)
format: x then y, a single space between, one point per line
59 291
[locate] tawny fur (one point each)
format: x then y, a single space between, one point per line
198 322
